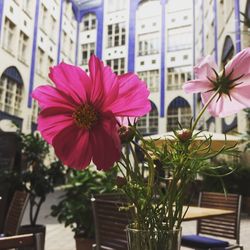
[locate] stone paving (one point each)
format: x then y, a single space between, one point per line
60 238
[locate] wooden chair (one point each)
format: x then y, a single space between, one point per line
110 221
226 226
24 240
15 213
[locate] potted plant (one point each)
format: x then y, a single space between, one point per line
74 208
36 177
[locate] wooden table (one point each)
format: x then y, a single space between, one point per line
195 213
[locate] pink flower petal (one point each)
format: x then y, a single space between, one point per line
204 68
241 94
126 121
197 86
106 144
111 86
132 99
239 64
73 148
96 69
52 121
48 96
222 107
71 80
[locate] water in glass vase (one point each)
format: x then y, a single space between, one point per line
153 239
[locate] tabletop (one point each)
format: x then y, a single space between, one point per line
195 213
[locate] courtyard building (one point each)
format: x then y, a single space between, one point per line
160 40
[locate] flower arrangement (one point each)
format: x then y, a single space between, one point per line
89 117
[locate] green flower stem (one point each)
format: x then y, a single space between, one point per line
203 109
136 165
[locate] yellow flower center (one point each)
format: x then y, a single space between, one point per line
85 116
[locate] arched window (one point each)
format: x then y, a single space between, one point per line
148 124
246 16
228 50
179 110
11 89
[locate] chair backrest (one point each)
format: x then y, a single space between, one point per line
110 221
15 213
24 240
226 226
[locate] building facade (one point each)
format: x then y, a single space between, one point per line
34 35
160 40
221 28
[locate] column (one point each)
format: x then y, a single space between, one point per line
237 25
33 56
1 15
100 28
215 32
131 42
60 33
163 56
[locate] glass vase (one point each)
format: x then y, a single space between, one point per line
153 240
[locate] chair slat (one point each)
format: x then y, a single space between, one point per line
15 213
221 226
110 221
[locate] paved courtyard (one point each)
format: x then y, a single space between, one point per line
60 238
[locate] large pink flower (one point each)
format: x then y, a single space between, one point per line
78 116
232 84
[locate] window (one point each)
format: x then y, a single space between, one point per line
51 61
172 59
179 111
185 57
151 78
178 41
118 65
44 13
176 79
26 5
116 5
116 35
52 27
10 96
148 46
22 47
89 22
149 123
71 48
87 50
8 39
40 61
35 110
64 42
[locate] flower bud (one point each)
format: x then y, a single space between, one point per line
126 134
184 134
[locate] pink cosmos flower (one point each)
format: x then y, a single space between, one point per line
232 84
78 115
